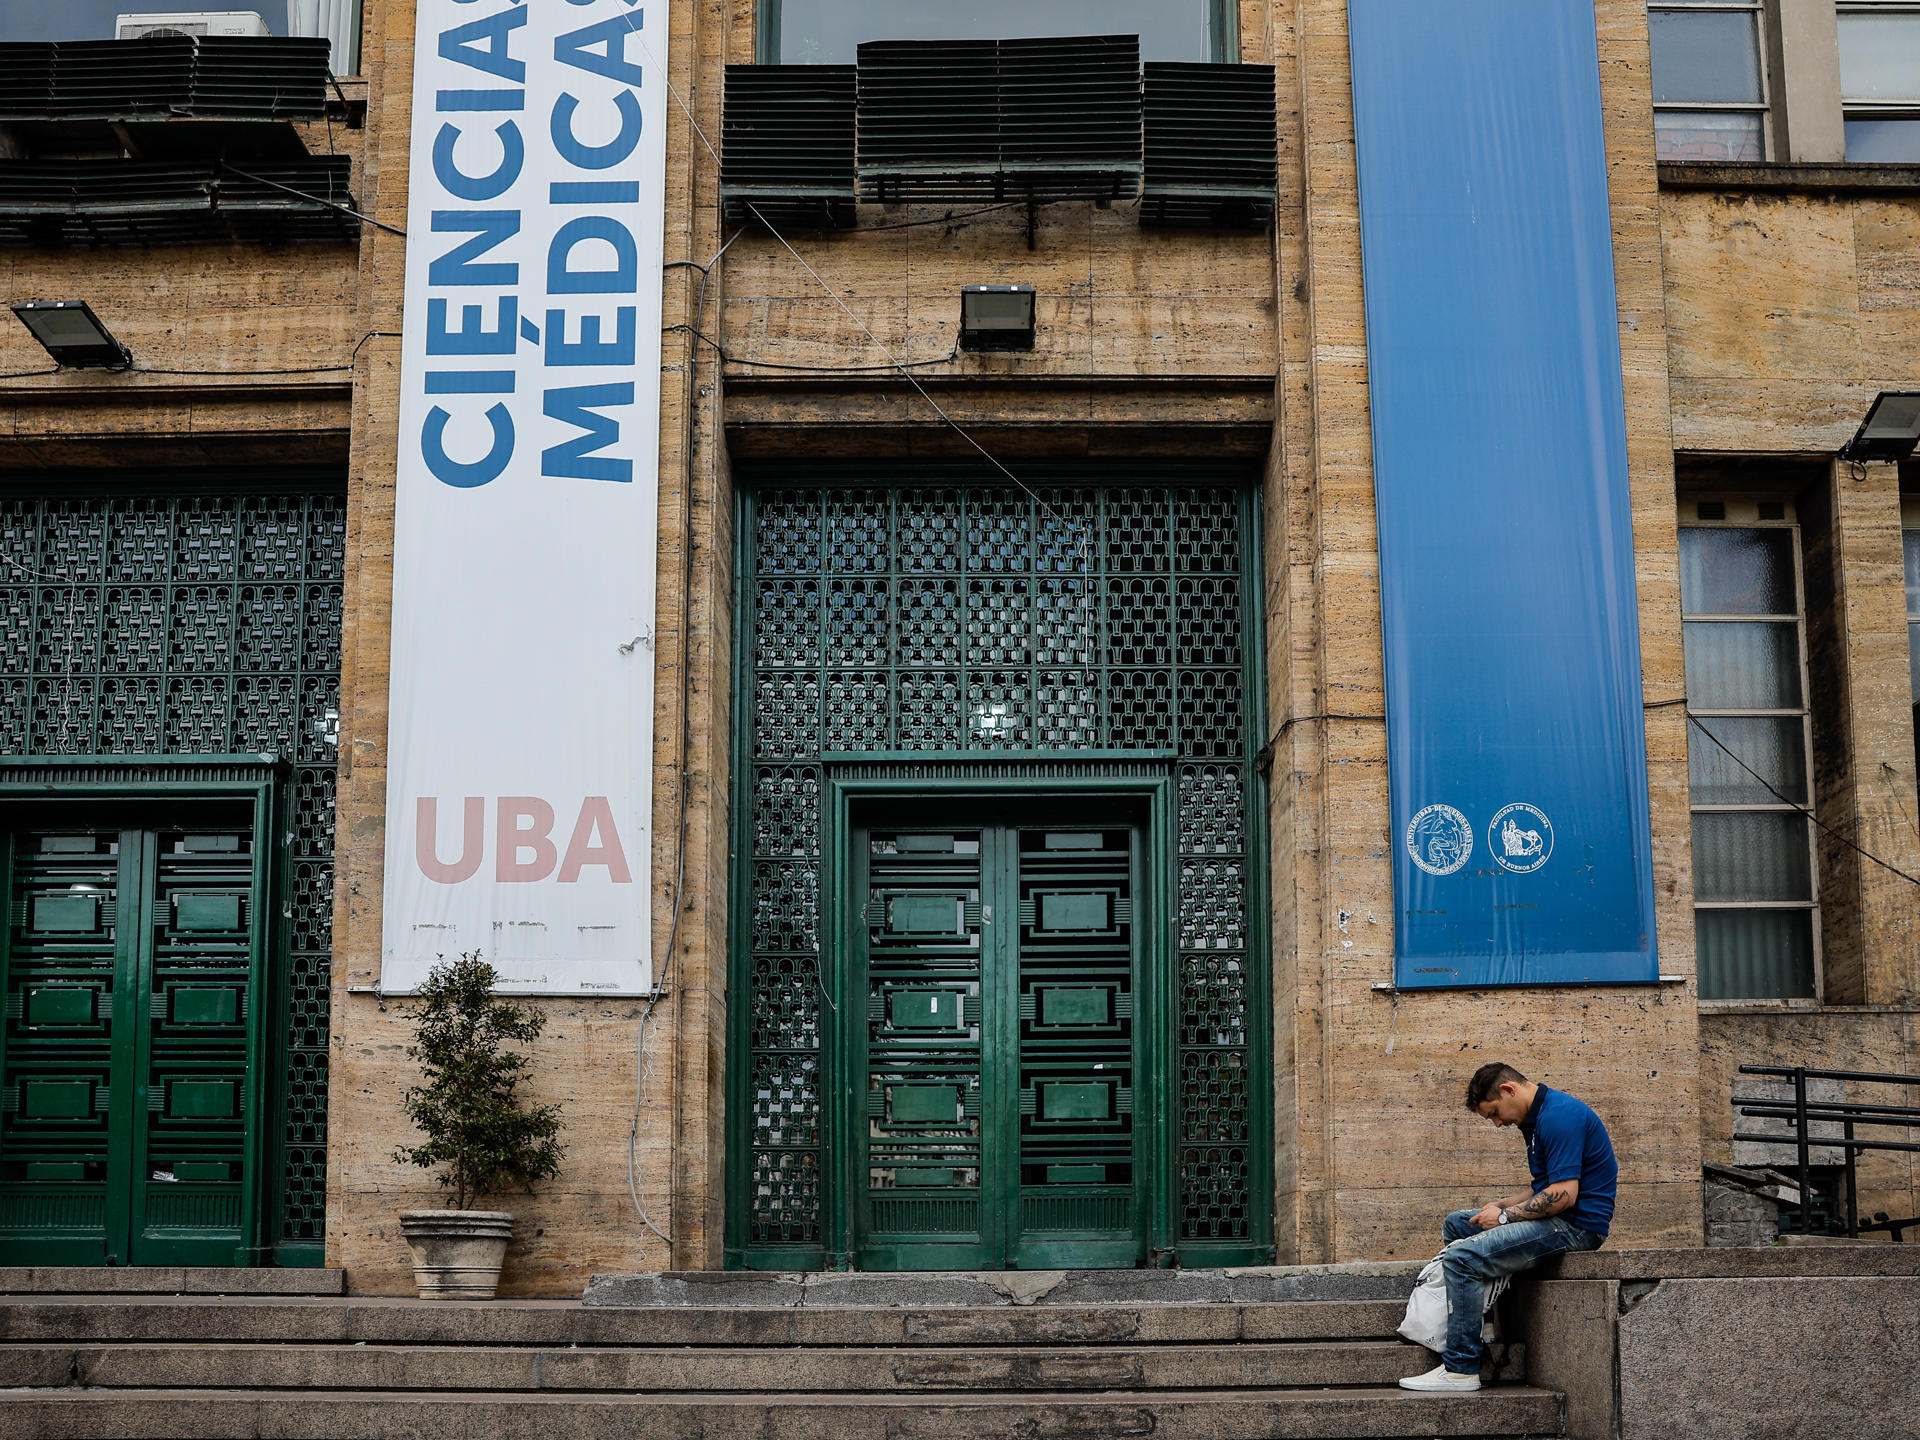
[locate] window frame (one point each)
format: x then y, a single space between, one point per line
1223 31
1852 109
1763 107
1751 521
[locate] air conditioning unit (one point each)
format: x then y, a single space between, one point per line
189 22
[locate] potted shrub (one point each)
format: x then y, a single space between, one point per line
481 1138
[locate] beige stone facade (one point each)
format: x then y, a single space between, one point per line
1757 321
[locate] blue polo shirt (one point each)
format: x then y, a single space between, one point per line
1567 1141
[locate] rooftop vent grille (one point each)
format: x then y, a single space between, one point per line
1211 143
125 202
788 145
264 77
1000 120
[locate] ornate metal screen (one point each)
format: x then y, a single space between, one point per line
160 623
975 617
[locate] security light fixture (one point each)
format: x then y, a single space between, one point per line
1890 431
72 334
996 317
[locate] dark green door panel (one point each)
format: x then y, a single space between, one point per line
125 1061
65 1124
998 1060
1080 1164
199 987
924 1180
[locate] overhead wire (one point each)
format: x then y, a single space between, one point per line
905 368
1851 844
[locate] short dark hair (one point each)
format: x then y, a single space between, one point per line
1487 1079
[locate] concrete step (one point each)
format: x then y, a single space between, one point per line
167 1280
980 1289
1356 1414
719 1370
107 1320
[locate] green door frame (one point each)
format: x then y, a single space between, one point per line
1025 776
36 787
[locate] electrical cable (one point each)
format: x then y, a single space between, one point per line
25 374
315 199
948 219
1079 543
354 354
945 359
681 842
1263 757
303 370
642 1064
1768 785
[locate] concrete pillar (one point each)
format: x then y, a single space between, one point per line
1803 68
1869 794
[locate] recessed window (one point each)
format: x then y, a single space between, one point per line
1709 86
1755 911
1880 82
828 32
338 20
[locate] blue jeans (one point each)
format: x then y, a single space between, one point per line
1503 1250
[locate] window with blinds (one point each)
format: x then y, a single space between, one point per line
1749 751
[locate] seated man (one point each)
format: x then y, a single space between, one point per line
1569 1208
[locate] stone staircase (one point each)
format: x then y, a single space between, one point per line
1094 1356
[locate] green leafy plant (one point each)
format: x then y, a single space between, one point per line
485 1142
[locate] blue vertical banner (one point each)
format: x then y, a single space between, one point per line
1515 732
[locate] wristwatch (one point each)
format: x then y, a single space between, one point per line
1505 1216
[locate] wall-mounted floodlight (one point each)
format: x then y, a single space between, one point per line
1890 431
996 317
72 334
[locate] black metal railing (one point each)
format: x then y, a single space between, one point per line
1803 1112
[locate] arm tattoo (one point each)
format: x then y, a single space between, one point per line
1538 1206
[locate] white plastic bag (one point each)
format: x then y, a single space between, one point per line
1426 1318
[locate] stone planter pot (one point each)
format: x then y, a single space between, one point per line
456 1253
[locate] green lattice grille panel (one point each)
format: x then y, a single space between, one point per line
166 624
974 618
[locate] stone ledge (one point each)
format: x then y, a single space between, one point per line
1359 1280
1857 1258
167 1280
1789 178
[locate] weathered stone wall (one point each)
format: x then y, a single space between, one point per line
1787 314
589 1059
1748 325
1380 1144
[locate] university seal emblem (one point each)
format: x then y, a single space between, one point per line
1439 839
1521 838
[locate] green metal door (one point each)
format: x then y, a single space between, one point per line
132 964
997 968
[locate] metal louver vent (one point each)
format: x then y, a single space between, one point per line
1212 137
264 77
1069 109
1045 119
26 78
787 148
124 202
929 115
282 77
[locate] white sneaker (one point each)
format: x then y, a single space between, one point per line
1442 1379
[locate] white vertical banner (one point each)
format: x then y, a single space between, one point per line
520 738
